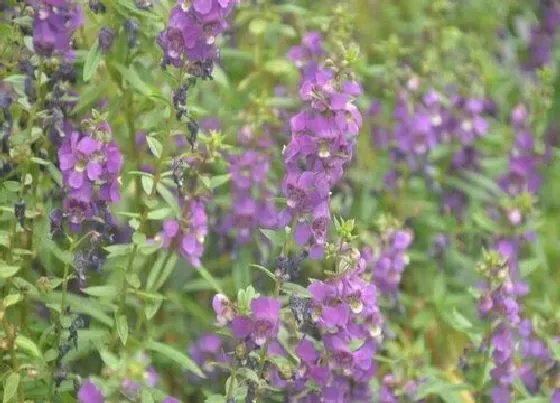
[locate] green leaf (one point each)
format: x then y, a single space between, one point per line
151 309
12 299
155 146
92 61
264 270
133 280
205 274
11 386
277 237
130 75
169 198
257 26
248 374
122 328
279 66
240 270
219 180
175 355
147 184
119 250
101 291
147 396
160 214
7 271
166 272
27 345
110 359
458 320
296 289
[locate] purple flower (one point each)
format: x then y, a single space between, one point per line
189 234
105 38
54 22
191 34
90 164
90 393
265 314
206 352
223 309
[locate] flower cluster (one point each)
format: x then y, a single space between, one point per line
191 33
422 121
306 56
187 234
139 376
388 261
537 358
344 310
54 22
498 303
454 200
252 205
207 351
522 175
323 136
90 162
543 35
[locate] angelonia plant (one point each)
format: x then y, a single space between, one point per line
250 201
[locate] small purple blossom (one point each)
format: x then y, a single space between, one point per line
54 22
90 393
187 235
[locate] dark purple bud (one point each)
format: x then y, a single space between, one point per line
178 166
29 89
59 376
106 37
144 4
81 266
193 127
301 308
19 211
97 6
131 28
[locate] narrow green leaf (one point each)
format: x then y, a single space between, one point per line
166 271
175 355
122 328
92 61
240 269
11 386
296 289
160 214
101 291
264 270
210 279
132 77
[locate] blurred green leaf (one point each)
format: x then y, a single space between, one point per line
175 355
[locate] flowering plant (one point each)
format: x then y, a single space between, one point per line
262 201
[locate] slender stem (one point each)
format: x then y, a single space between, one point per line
232 380
124 288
